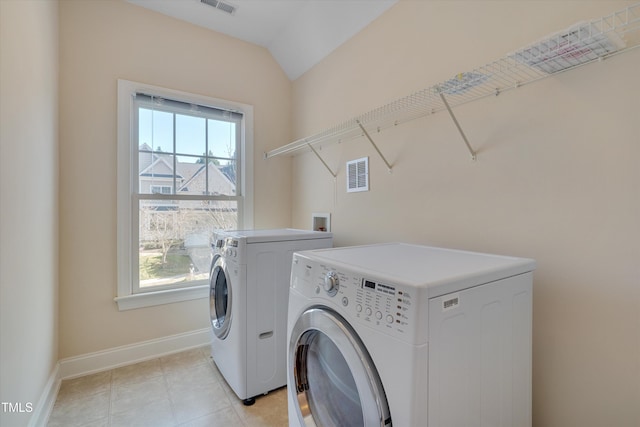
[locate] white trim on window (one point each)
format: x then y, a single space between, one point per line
126 299
165 296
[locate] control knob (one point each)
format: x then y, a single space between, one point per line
331 283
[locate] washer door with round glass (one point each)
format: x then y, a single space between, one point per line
335 380
219 297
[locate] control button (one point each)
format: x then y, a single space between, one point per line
358 308
368 311
389 318
345 301
378 315
317 290
331 283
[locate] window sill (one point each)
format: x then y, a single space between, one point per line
149 299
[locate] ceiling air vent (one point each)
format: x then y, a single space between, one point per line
221 5
358 175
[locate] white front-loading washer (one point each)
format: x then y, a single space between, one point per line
248 297
409 335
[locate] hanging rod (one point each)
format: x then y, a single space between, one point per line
578 45
375 146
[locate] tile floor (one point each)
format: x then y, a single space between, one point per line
183 389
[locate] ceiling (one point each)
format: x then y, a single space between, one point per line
298 33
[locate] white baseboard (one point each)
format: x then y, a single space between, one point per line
43 408
99 361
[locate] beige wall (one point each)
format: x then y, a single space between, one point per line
28 203
557 179
101 41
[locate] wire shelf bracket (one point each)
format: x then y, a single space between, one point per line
366 134
334 174
582 43
455 121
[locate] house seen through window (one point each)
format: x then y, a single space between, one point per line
187 187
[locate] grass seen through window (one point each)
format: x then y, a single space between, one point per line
177 268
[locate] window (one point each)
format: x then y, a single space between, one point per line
162 189
184 171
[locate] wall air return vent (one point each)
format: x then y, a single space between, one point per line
221 5
358 175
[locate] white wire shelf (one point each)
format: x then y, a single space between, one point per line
580 44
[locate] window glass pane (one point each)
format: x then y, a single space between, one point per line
197 172
194 177
155 173
333 395
190 178
222 152
222 140
160 189
155 163
222 179
175 237
190 135
155 130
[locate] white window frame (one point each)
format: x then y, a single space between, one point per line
128 182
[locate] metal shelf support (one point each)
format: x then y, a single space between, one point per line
453 117
580 44
334 174
389 167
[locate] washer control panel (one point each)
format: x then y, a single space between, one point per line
227 247
381 305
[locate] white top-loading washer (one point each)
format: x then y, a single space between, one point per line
249 287
409 335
